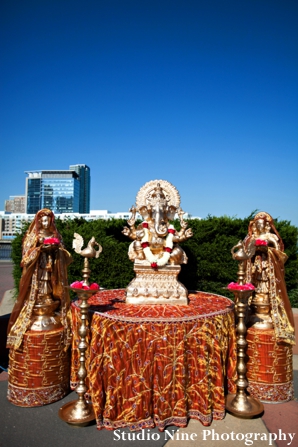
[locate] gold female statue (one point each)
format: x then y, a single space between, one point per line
44 277
265 270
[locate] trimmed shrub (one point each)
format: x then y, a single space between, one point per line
210 265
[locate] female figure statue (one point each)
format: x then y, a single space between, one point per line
265 270
44 277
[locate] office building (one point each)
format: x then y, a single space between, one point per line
15 204
57 190
83 172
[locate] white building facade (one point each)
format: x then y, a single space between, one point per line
11 224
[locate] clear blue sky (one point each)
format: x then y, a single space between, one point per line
203 94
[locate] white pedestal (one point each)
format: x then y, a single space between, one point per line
156 286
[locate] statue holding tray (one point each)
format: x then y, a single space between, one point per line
265 270
39 329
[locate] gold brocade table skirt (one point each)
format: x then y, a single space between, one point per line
38 371
157 365
270 367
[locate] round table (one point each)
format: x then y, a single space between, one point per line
157 365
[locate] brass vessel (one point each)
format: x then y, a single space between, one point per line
261 312
44 317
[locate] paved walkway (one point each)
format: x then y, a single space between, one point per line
6 279
278 426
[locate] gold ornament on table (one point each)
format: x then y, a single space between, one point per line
241 404
80 412
155 251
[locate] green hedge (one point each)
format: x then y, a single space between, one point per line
210 265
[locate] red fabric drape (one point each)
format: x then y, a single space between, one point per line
269 366
157 364
39 371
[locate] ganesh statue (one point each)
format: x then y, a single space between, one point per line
155 249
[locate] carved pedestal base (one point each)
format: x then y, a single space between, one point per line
158 286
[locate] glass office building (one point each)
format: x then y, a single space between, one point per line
57 190
83 172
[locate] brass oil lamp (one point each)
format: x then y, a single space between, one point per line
241 404
79 412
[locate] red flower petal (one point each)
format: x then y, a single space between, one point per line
77 285
260 242
236 286
51 240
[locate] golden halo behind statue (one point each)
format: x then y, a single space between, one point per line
263 215
145 193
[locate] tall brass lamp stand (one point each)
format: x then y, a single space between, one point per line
79 412
241 404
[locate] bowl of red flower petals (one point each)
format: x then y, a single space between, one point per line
82 285
51 241
237 286
260 242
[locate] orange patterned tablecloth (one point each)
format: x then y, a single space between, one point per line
157 364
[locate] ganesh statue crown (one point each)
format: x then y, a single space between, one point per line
155 251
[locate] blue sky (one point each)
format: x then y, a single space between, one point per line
203 94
